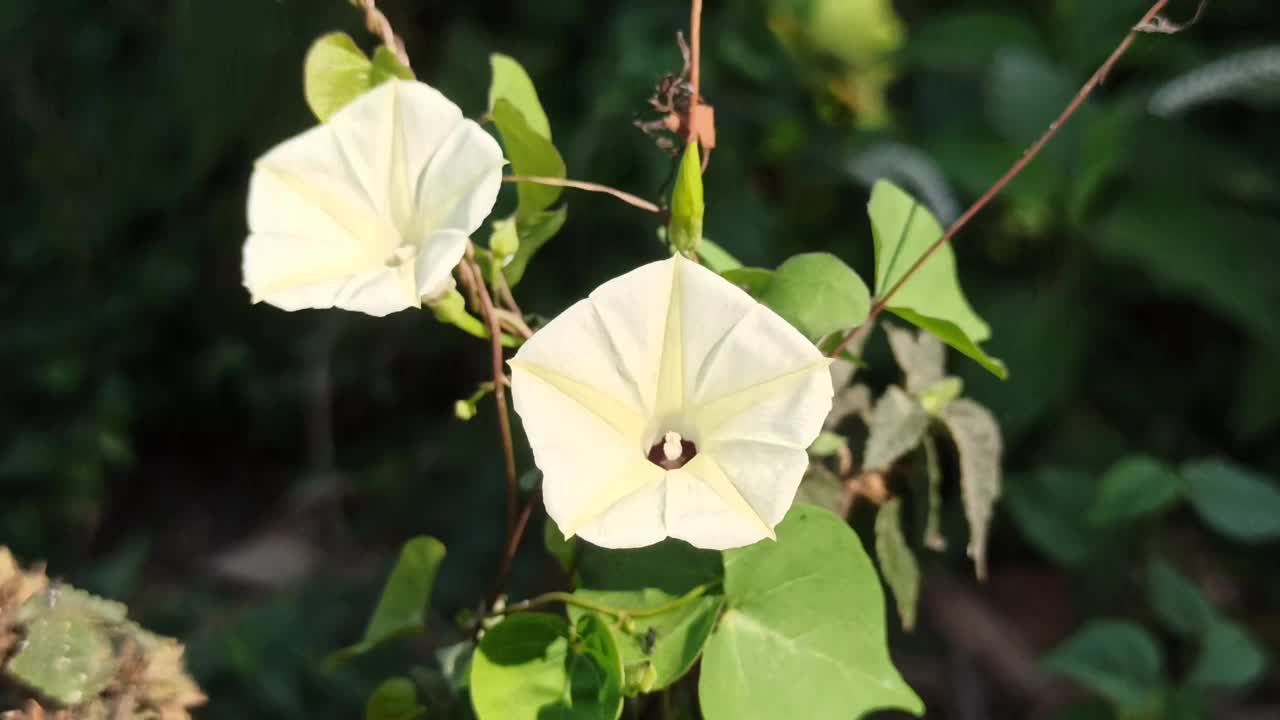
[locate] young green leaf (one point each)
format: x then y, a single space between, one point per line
513 84
533 231
935 398
828 444
931 299
803 635
403 605
395 699
1229 658
753 280
896 427
717 258
1135 487
685 229
336 72
530 153
1118 660
530 667
1177 601
977 437
897 562
1233 500
818 294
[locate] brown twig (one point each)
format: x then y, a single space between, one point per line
380 26
513 544
1027 156
695 52
499 392
625 197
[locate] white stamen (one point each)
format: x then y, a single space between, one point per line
671 447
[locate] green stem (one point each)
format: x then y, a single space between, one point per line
564 598
471 325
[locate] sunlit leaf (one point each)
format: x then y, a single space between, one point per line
753 280
818 294
1118 660
336 72
977 437
513 84
897 562
403 605
803 634
931 298
1234 500
716 257
530 154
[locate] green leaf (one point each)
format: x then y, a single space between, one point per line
1135 487
976 434
1050 507
559 548
1177 601
897 562
395 699
1233 500
818 294
716 258
403 605
66 656
672 566
896 427
935 398
513 84
529 668
1229 658
903 230
1024 94
336 72
530 154
804 632
1118 660
753 280
533 231
669 642
687 207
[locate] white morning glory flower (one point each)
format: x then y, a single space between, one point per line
371 210
670 404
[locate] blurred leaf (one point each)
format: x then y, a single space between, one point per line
1229 658
1177 601
716 258
754 280
818 294
903 230
395 699
803 634
820 487
1025 93
670 642
562 550
513 84
1118 660
897 562
1050 506
1135 487
920 355
402 608
533 231
336 72
966 41
935 398
828 444
530 154
687 206
529 668
1233 500
895 428
976 434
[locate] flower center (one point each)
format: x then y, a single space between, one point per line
672 451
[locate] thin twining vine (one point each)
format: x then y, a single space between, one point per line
622 615
508 317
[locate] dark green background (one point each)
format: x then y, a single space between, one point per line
151 419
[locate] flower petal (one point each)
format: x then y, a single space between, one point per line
460 184
632 310
437 256
706 509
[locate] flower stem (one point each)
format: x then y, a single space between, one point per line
565 598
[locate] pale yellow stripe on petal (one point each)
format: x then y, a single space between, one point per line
712 414
670 395
635 477
627 421
706 469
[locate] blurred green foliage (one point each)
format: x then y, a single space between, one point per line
152 421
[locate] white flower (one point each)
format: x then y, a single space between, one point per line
670 404
372 210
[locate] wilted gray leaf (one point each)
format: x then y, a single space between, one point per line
896 426
921 355
977 437
852 401
933 538
821 487
897 562
842 372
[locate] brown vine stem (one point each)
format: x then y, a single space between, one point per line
625 197
499 393
379 25
1027 156
513 545
695 52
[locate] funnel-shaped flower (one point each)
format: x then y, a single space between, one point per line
371 210
670 403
